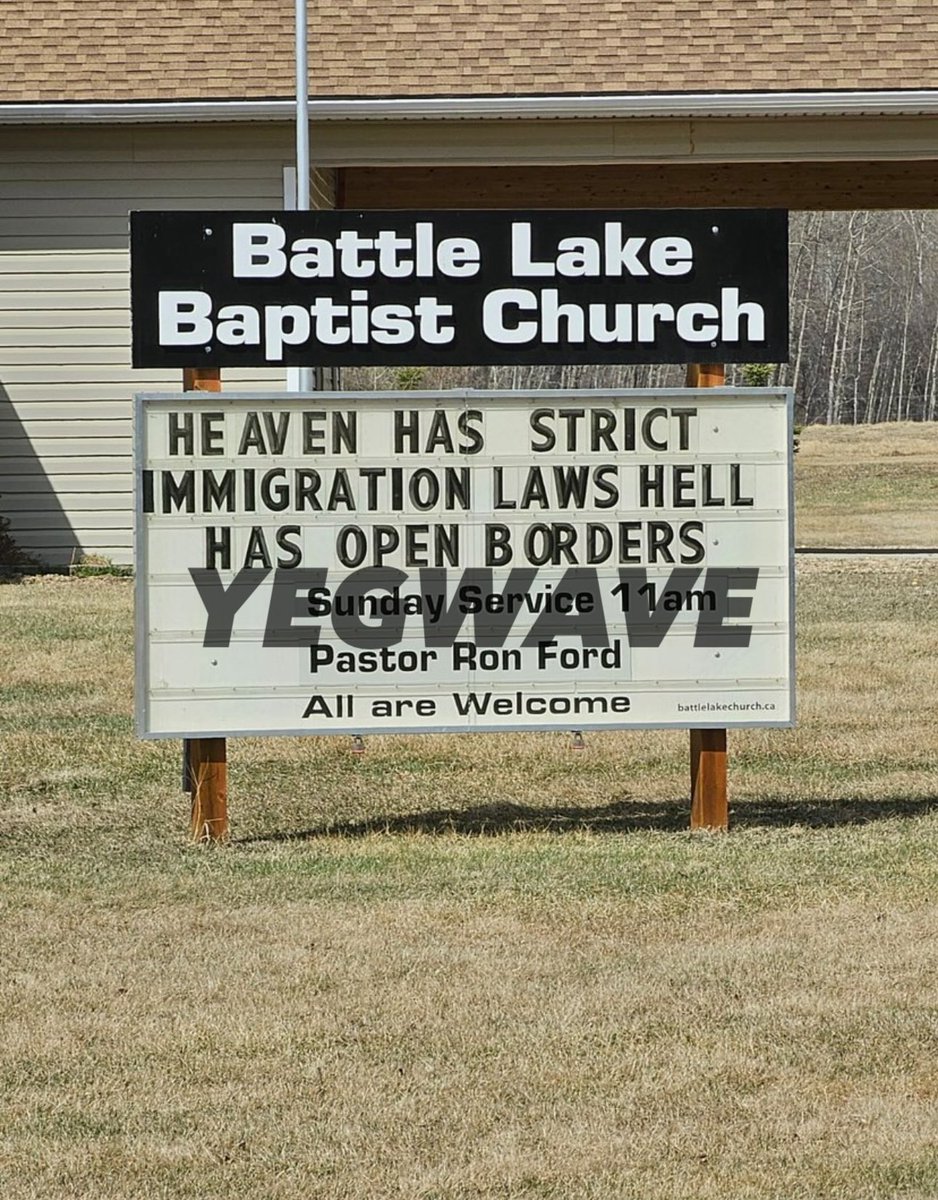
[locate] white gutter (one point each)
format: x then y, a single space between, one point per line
922 102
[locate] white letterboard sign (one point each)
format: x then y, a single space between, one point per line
419 562
229 289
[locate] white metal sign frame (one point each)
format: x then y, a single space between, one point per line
664 519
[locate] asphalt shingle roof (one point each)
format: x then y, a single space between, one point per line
112 50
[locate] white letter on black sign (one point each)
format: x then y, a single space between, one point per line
493 316
621 253
688 329
671 256
521 264
733 310
239 325
284 324
258 250
184 318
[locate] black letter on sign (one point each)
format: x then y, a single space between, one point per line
285 604
710 628
350 627
590 630
222 603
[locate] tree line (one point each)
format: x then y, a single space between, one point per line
864 327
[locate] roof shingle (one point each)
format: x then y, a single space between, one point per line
125 50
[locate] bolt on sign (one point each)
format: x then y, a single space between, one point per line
427 562
228 289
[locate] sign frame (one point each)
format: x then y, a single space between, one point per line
162 400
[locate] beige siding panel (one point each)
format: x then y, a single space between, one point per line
16 337
100 208
43 410
242 150
88 173
87 485
209 167
109 367
149 381
235 143
12 429
83 447
38 519
78 319
89 226
103 501
92 373
66 469
49 262
66 384
59 355
53 301
52 538
112 277
121 194
61 549
19 352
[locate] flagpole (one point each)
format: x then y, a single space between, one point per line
302 138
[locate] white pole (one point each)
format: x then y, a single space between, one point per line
302 140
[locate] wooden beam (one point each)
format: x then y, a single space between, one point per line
201 379
208 783
892 183
709 803
709 799
206 759
706 375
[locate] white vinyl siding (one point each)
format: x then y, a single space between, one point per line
66 384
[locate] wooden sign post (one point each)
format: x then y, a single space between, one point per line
709 800
206 759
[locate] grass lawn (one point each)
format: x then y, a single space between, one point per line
475 968
868 485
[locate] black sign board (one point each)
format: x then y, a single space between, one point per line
228 289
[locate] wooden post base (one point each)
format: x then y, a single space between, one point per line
206 766
207 776
709 808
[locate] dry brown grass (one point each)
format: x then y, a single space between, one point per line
473 968
473 1047
868 485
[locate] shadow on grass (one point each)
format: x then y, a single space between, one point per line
622 816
